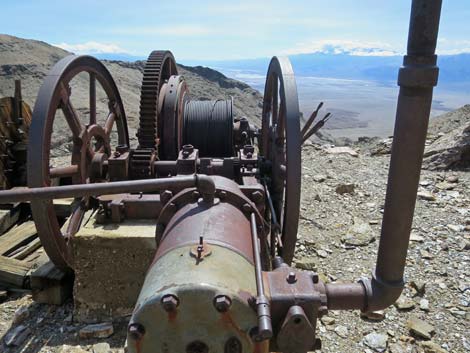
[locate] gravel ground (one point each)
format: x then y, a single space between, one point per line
438 261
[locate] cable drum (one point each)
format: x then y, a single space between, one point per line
208 126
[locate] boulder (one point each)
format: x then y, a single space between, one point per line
450 150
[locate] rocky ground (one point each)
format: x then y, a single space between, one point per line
342 205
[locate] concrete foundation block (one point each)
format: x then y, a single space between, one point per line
110 265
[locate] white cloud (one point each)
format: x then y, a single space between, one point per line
452 47
92 48
338 46
171 31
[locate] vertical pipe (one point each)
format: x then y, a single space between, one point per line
416 80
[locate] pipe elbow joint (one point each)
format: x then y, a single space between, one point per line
380 294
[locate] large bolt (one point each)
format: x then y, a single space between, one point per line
170 302
257 196
136 331
165 196
291 278
222 303
187 150
315 278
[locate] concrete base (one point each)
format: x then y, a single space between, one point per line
110 265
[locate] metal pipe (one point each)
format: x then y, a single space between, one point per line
265 330
416 79
203 183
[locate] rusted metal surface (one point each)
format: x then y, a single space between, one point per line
203 183
265 329
160 66
214 293
280 144
171 123
187 216
54 95
416 80
296 334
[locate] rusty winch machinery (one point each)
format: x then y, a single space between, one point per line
225 195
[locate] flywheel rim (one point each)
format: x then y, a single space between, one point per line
281 144
51 98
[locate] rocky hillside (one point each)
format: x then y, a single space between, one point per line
449 136
30 60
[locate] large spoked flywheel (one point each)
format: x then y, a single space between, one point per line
91 143
281 146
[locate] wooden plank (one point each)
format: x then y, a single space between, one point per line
16 237
51 285
13 272
9 215
26 250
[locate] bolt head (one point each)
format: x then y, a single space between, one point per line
170 302
257 196
222 303
291 278
247 207
136 331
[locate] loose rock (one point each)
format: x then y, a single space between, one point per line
102 347
374 315
404 303
424 304
20 315
420 328
426 195
376 341
306 264
16 336
431 347
345 189
342 331
102 330
359 234
342 150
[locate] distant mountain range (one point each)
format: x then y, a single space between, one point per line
454 69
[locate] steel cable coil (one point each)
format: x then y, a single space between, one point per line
208 126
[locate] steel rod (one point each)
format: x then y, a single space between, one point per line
204 183
265 330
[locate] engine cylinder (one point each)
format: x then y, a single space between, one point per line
198 293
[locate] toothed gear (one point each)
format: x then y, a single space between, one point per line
158 69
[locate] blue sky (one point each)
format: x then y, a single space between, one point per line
215 30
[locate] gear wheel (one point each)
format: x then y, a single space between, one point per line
159 67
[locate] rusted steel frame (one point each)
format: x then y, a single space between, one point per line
92 98
310 120
265 330
416 80
204 183
63 172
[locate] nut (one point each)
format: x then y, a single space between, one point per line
222 303
136 331
170 302
291 278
